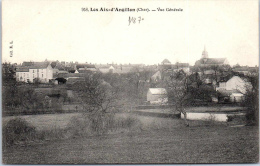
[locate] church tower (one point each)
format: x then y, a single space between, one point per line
204 53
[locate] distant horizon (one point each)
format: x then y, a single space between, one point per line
228 29
113 63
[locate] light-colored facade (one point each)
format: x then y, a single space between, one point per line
156 77
236 97
157 96
30 73
222 85
237 83
235 88
22 76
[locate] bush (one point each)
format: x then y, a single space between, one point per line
129 123
100 124
50 134
252 117
17 130
78 126
89 124
210 121
251 101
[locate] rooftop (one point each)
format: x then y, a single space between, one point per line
158 91
166 61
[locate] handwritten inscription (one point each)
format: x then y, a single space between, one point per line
134 20
131 20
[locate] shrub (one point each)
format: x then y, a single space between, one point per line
100 124
89 124
251 101
230 118
78 126
50 134
252 116
17 130
129 123
210 121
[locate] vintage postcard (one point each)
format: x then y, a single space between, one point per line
130 82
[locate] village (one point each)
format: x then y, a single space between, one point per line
214 77
54 100
130 82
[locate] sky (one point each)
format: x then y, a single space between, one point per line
59 30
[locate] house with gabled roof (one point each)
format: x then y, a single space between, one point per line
234 88
106 69
30 72
235 83
156 77
85 68
246 70
157 96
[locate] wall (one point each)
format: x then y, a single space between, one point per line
156 98
43 74
23 75
236 98
49 73
236 83
221 117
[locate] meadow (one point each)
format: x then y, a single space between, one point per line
151 140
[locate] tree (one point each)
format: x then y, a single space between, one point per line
29 99
99 99
195 78
251 101
178 92
36 81
8 71
10 90
96 94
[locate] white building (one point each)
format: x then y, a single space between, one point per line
157 96
107 69
38 70
235 83
234 88
156 77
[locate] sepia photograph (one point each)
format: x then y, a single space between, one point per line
130 82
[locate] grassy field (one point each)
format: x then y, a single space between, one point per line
45 121
158 140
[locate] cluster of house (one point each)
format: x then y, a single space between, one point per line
48 71
229 86
231 90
